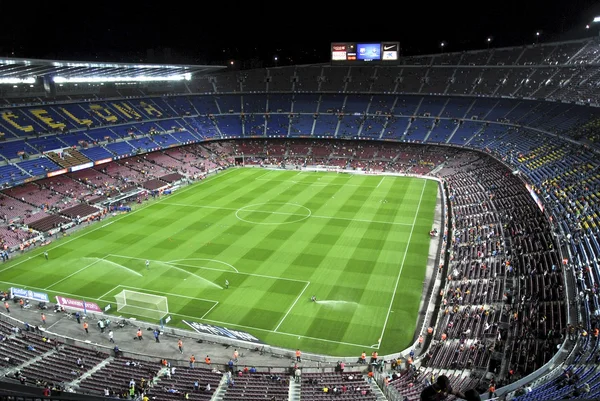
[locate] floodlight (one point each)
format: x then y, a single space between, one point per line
29 80
139 78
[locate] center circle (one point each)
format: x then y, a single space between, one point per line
272 213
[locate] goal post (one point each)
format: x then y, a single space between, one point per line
142 304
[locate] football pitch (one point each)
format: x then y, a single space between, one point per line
358 243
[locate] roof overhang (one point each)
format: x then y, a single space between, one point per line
19 70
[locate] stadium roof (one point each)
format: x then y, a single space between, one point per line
19 69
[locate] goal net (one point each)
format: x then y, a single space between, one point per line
142 304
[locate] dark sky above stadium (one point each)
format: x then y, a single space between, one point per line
297 32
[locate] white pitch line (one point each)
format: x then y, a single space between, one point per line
361 220
382 178
224 324
169 293
72 274
402 263
319 184
208 311
262 175
210 260
115 219
209 268
290 309
290 214
42 289
108 292
246 274
170 264
202 206
175 264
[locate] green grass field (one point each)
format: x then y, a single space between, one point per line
358 243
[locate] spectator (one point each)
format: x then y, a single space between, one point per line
439 390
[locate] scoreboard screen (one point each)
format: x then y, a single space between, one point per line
354 52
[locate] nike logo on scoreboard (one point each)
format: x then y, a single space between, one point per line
389 47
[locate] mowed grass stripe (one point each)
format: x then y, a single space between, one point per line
331 283
385 262
349 259
404 309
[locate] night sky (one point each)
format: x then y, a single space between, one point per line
295 32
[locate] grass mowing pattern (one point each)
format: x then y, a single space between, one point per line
358 243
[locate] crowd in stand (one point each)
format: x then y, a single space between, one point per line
24 205
503 305
504 293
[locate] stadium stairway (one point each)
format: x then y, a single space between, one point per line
375 389
31 361
220 391
294 393
438 168
75 383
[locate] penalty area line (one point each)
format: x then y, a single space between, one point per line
225 324
208 311
169 294
289 310
72 274
108 292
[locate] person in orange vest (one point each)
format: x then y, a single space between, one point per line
235 355
374 356
430 331
444 336
492 390
363 357
192 361
7 306
140 334
21 303
420 342
85 327
207 360
180 346
298 356
43 319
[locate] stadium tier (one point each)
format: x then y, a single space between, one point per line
511 134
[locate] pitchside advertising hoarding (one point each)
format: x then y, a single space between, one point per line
365 52
79 304
28 294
